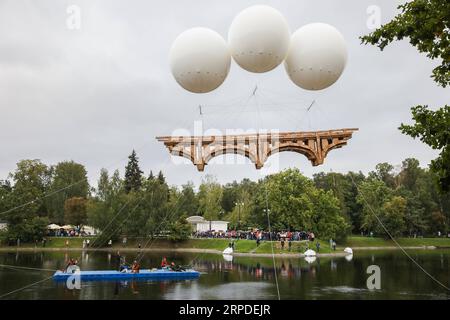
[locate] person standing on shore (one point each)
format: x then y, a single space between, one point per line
334 245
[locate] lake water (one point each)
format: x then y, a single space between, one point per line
241 278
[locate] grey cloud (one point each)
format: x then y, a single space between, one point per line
94 94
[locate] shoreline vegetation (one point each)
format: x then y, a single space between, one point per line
242 247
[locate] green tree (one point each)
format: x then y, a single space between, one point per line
5 190
106 210
103 185
384 172
393 216
426 23
411 172
133 174
296 204
240 216
210 198
188 201
75 211
438 222
327 220
432 127
372 195
415 214
151 214
229 196
27 212
180 229
69 179
344 188
161 178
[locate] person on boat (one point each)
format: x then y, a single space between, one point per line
124 267
175 267
135 267
164 262
121 264
71 262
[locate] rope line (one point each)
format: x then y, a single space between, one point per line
25 287
395 241
26 268
271 242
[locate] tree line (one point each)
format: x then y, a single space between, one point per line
406 201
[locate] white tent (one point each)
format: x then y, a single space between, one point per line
53 227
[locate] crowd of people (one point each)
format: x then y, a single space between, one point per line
284 237
257 234
74 232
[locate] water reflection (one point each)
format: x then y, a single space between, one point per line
235 291
239 277
310 259
227 257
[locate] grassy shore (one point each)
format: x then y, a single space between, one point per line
243 246
368 242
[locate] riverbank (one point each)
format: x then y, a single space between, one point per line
242 247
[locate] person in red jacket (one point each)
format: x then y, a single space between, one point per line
164 262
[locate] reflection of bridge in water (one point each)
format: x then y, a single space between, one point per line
315 145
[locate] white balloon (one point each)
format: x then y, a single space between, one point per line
259 38
200 60
317 56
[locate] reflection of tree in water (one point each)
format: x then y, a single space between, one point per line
248 270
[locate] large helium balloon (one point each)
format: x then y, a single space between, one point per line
259 38
200 60
317 56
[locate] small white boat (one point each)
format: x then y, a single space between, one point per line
310 253
348 250
228 250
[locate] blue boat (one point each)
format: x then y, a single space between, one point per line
153 274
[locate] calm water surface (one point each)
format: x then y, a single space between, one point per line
241 278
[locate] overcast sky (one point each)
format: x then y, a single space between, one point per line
93 94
